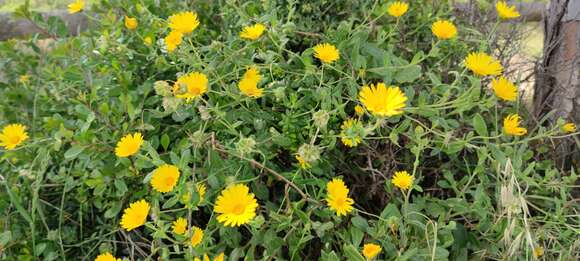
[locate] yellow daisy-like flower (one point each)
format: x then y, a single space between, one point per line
482 64
220 257
179 226
164 178
505 11
327 53
505 89
249 83
569 127
190 86
76 6
253 32
397 9
197 236
135 215
172 40
352 132
402 180
201 191
538 251
444 29
370 250
24 79
129 145
148 40
184 22
205 258
382 101
359 110
13 135
511 125
337 197
200 187
236 206
131 23
106 257
303 164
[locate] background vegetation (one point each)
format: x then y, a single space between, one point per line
478 194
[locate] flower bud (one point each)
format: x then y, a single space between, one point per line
245 146
162 88
309 153
320 118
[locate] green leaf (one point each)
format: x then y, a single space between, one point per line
165 141
121 187
479 125
352 253
73 152
408 74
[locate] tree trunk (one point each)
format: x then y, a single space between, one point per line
558 79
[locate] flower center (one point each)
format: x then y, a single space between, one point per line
169 180
340 202
238 209
15 139
194 90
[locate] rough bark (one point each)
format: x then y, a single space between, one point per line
19 28
558 76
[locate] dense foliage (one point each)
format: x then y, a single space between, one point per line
475 192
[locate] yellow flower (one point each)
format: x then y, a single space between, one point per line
219 257
148 40
397 9
337 197
511 125
197 236
505 11
236 206
303 164
24 79
538 251
130 23
402 180
359 110
569 127
505 89
76 6
253 32
327 53
106 257
382 101
164 178
201 191
179 226
482 64
444 29
370 251
249 83
129 145
135 215
184 22
190 86
12 135
352 132
172 40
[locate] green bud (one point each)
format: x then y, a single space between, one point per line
309 153
321 119
162 88
245 146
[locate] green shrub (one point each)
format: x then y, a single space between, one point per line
478 193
